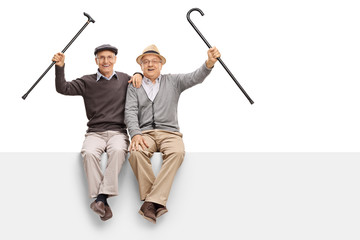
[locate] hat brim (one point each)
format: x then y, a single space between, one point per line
138 59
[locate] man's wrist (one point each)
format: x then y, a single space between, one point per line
209 65
56 65
136 134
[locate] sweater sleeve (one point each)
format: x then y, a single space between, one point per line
131 112
75 87
185 81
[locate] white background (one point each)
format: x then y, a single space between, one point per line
298 60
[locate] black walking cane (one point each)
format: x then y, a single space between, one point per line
208 44
90 19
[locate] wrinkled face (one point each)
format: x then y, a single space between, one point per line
151 66
106 60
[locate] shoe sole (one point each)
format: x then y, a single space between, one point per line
161 212
105 219
147 218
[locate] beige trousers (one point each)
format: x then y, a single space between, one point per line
170 144
115 144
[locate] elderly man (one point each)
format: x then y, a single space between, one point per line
104 96
151 118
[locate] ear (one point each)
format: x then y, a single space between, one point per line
97 61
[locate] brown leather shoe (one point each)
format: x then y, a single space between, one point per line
147 210
160 210
108 214
98 208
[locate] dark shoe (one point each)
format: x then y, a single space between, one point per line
98 208
160 210
108 214
148 211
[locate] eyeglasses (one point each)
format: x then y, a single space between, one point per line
109 58
154 61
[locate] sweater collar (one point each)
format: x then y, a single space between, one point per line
99 75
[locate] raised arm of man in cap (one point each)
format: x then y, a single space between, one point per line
75 88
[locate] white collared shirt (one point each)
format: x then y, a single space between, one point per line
99 75
151 88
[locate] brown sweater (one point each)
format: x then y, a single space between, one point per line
104 99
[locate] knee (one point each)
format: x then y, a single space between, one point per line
178 154
116 154
90 155
138 156
117 151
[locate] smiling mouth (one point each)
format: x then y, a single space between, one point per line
150 70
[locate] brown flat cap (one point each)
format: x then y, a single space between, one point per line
106 47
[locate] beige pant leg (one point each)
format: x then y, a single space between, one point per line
94 145
116 149
141 166
172 147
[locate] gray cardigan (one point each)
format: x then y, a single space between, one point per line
142 114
